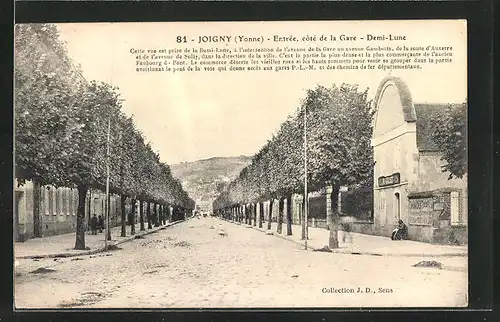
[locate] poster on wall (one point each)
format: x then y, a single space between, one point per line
206 136
420 211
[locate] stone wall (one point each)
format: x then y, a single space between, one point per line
432 178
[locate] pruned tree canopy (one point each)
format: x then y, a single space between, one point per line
339 129
61 127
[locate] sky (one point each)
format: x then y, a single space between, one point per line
192 116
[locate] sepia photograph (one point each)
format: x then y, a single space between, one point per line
276 164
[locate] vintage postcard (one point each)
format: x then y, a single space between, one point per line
304 164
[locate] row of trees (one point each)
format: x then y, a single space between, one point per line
61 132
339 130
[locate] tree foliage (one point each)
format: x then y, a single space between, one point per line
339 129
450 135
61 128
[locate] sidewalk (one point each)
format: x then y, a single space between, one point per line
366 244
63 245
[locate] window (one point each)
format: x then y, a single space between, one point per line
52 201
455 213
58 201
64 205
75 202
70 201
46 200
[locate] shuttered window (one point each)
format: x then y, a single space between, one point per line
46 200
70 201
52 201
59 201
75 202
64 203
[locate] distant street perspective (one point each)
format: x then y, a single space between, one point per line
187 187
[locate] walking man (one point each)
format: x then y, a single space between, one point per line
101 223
93 225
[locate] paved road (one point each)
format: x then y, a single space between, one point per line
192 265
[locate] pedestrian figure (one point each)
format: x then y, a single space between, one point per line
401 232
101 223
130 218
345 225
93 225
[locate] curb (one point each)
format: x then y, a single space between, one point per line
100 249
286 238
339 251
273 234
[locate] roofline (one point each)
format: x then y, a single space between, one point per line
404 95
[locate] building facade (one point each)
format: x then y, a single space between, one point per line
56 210
409 184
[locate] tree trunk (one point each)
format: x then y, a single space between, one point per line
261 213
255 214
123 215
279 229
132 227
333 241
270 217
80 218
303 218
108 219
148 214
89 210
169 213
141 214
156 215
289 215
37 219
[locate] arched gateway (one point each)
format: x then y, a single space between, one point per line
408 181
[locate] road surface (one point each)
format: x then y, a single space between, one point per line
208 263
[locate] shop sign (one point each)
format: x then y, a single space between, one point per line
389 180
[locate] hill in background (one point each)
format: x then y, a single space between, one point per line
205 179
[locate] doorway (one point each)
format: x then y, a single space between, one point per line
398 206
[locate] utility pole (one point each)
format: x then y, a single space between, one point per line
306 197
106 235
108 228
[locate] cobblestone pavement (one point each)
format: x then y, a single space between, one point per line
207 263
